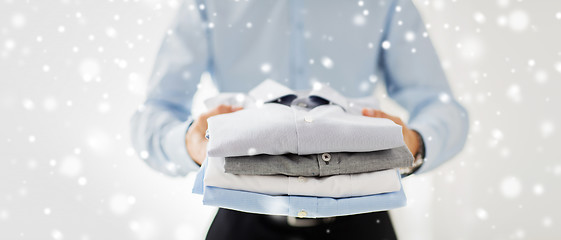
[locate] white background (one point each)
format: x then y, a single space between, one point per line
72 72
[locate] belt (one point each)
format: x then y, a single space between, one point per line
301 222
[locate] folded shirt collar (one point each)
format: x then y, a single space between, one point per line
324 91
271 91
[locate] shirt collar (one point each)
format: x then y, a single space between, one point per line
326 92
270 90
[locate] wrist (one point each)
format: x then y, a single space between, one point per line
414 142
418 155
195 143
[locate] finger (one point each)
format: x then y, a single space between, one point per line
382 114
229 109
367 112
221 109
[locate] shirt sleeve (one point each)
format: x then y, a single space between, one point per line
415 79
159 126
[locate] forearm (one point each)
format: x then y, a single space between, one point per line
158 136
443 127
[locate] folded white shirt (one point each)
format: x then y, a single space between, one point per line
337 186
324 122
276 129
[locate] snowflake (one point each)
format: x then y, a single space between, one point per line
444 97
410 36
144 154
120 203
479 17
547 128
558 67
503 3
518 20
70 166
481 214
265 68
82 181
56 234
111 32
28 104
251 151
541 76
89 69
359 20
510 187
547 222
18 20
9 44
50 104
513 93
538 189
327 62
386 45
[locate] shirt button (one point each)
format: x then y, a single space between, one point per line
326 157
308 119
302 213
301 179
304 105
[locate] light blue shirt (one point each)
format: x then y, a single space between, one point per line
288 205
350 46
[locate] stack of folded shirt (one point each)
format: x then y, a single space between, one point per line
301 154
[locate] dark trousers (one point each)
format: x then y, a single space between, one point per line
235 225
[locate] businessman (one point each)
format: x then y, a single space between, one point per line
350 45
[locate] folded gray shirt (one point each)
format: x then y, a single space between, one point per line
324 164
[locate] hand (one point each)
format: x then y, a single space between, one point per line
410 137
195 140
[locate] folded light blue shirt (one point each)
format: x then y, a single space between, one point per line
297 43
295 206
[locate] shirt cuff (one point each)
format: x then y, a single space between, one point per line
432 146
175 149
